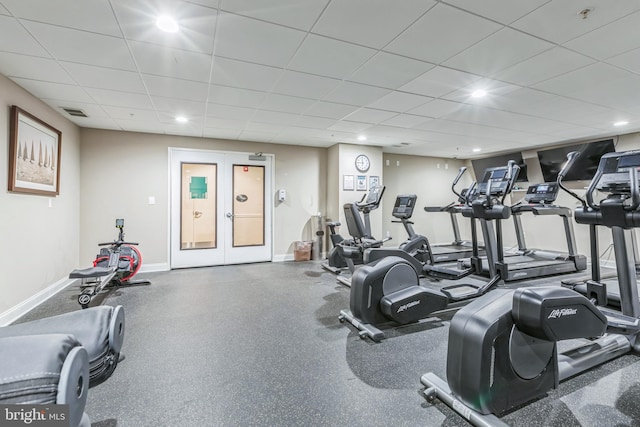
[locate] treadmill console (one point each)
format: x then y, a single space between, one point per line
615 171
403 208
542 193
497 177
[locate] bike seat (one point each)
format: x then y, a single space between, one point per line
87 273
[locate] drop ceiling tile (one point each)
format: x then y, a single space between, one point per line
105 78
355 94
304 85
120 99
513 46
629 60
389 70
284 103
436 108
197 24
439 81
372 23
274 117
609 40
182 129
369 115
14 38
330 110
346 126
4 11
314 122
256 41
82 47
327 57
51 90
264 127
139 126
178 107
615 88
229 112
399 101
123 113
176 88
546 65
503 11
214 122
257 136
97 122
229 72
405 120
523 100
33 68
170 62
434 38
229 134
558 21
300 14
89 15
235 96
91 110
213 4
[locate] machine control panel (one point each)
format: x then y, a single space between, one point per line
615 170
403 208
546 192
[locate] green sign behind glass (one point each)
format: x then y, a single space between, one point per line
198 187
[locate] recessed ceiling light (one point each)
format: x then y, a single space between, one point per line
478 93
477 150
181 119
362 138
167 24
621 123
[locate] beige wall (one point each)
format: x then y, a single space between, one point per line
39 243
346 158
121 170
430 179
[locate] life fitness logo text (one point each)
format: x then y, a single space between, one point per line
562 312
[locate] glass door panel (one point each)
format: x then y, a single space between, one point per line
248 205
198 217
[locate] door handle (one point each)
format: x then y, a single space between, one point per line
197 214
229 215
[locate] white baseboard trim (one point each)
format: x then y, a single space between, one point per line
17 311
282 258
150 268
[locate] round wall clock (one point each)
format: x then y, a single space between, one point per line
362 163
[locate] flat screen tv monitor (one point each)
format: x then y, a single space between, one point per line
480 165
584 168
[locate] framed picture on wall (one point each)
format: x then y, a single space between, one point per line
34 155
374 181
361 183
348 183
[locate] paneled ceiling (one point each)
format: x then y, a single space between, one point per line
320 72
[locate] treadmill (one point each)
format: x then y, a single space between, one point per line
458 249
530 263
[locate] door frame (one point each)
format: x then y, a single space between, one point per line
268 202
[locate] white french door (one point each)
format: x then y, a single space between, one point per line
221 211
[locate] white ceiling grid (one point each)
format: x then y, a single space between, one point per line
319 72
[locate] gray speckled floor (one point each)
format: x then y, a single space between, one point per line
261 345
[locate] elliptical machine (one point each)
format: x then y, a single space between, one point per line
114 265
513 335
389 290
